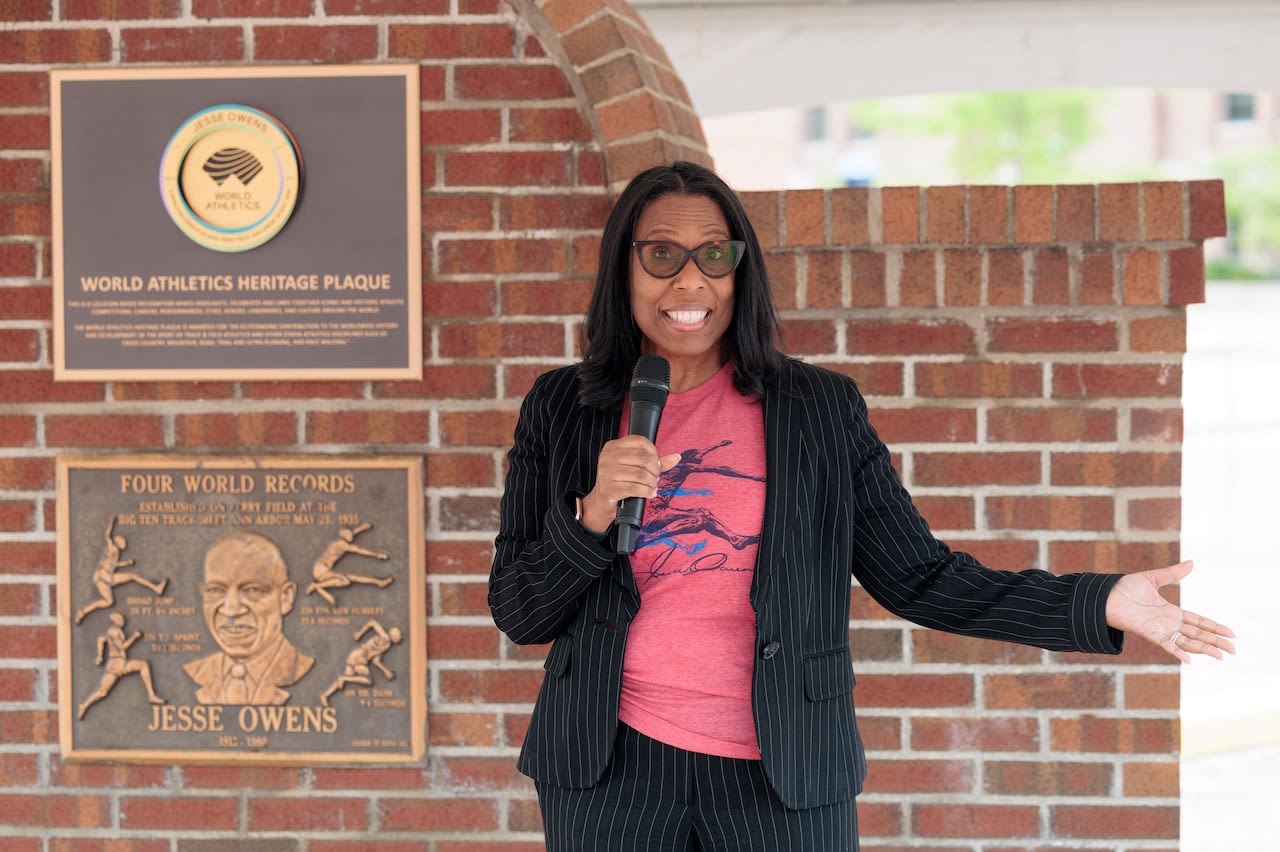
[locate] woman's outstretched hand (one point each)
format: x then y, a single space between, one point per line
1135 605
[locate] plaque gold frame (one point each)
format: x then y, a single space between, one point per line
173 569
126 340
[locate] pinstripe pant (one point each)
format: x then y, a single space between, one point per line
658 798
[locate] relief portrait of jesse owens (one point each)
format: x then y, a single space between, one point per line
246 593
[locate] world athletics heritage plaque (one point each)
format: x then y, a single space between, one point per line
236 222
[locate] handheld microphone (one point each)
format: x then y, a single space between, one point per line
650 384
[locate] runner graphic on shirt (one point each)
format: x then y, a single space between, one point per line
667 521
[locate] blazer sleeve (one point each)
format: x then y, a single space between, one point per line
914 575
544 560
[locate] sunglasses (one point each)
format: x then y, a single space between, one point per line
664 259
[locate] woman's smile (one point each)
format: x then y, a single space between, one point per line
688 319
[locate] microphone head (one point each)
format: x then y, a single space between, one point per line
651 381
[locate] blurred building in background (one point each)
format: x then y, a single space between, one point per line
1177 133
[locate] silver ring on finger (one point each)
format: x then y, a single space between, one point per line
1175 636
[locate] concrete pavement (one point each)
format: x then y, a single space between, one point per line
1230 515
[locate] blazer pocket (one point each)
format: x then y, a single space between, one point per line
828 675
557 662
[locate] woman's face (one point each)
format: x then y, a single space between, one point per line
683 318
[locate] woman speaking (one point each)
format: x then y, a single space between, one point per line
698 694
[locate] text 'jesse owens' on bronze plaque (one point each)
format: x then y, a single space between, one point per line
264 609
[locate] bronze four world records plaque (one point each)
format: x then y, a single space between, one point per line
233 610
236 223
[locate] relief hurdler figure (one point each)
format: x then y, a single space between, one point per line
368 653
326 577
107 575
116 649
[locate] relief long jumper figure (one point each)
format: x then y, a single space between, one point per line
107 575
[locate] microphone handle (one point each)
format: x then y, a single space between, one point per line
624 535
644 421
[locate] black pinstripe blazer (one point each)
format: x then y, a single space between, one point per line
834 506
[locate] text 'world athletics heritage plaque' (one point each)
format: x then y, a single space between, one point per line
236 223
265 610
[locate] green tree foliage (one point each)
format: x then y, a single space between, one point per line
1252 180
1004 137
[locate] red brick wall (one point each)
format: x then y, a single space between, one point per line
1021 350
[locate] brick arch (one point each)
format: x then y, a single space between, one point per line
629 94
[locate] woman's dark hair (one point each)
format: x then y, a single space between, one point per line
612 339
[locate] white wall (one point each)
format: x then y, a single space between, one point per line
738 55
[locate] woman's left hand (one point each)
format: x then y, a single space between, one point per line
1135 605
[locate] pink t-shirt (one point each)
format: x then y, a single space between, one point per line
690 656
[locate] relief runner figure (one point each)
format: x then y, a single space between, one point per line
116 648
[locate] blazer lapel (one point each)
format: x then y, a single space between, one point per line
783 439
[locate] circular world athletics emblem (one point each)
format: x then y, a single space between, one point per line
230 177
